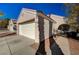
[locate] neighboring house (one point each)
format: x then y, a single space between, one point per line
28 24
12 25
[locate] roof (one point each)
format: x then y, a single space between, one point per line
32 13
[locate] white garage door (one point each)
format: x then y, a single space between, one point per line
27 30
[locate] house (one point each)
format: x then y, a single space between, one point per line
28 24
37 26
12 25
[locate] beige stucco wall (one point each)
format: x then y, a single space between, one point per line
46 29
59 20
36 30
26 14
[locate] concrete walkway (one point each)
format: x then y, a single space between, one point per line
16 45
63 44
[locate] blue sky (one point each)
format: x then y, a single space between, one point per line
12 10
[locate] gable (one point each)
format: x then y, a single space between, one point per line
26 15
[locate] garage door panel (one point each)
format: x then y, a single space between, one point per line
27 30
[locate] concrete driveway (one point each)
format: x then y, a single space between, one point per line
16 45
20 45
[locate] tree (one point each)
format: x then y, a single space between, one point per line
73 15
4 23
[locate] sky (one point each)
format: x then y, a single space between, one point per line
12 10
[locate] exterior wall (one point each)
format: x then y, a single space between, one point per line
36 30
27 30
46 29
59 19
26 15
